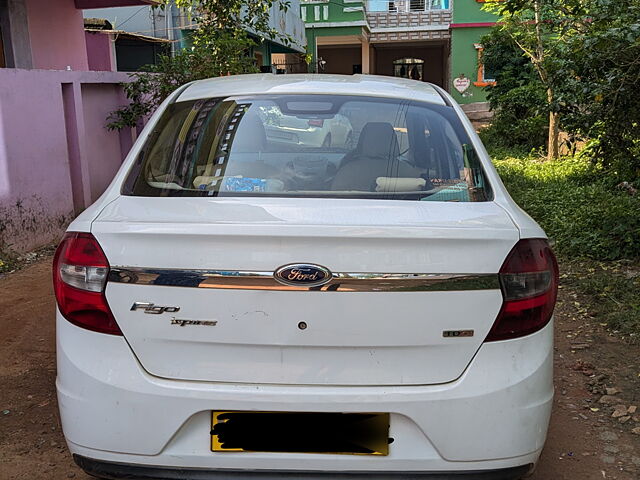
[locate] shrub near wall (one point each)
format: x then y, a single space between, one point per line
518 99
577 205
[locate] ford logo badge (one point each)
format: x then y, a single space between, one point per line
302 275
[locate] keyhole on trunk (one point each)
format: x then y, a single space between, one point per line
302 325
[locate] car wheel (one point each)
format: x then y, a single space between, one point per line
327 141
349 141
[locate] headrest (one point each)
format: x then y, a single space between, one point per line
378 139
251 136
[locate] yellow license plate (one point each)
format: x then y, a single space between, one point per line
300 432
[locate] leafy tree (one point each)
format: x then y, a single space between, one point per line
586 53
538 27
225 32
599 94
518 98
503 56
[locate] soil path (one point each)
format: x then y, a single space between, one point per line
584 443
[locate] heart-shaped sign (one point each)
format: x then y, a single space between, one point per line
461 83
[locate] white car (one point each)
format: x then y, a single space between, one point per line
233 307
313 131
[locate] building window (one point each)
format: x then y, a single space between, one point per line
485 77
412 68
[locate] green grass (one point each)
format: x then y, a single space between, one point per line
577 204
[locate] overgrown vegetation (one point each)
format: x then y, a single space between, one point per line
577 204
518 99
222 44
535 28
586 56
598 82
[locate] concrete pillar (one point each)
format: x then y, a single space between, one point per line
366 56
372 60
76 145
15 34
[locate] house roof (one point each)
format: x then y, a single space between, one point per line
362 85
82 4
97 24
124 34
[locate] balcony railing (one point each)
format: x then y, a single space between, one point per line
406 6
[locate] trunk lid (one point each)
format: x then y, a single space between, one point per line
250 334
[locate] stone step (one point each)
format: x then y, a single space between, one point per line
478 111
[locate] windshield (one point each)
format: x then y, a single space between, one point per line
309 146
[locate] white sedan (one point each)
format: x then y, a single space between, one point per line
318 131
235 307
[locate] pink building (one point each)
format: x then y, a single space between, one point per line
56 156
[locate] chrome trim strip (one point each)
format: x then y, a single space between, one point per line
341 282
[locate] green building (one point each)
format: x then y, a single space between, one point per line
435 41
469 25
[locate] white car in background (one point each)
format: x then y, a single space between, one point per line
312 131
234 307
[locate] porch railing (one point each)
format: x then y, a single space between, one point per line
406 6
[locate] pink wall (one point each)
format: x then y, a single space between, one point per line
56 31
56 157
100 51
97 101
34 202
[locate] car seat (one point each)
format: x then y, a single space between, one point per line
376 155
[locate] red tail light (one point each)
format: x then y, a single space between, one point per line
529 282
316 122
80 271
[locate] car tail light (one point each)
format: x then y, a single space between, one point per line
316 122
80 271
529 282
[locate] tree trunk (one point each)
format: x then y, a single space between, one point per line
553 148
553 145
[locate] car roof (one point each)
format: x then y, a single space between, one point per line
268 83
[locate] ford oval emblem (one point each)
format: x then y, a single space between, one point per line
302 275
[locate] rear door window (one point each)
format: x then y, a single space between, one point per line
309 146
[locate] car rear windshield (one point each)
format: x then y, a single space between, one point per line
309 146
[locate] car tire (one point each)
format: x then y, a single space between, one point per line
348 143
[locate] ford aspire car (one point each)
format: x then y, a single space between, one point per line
236 306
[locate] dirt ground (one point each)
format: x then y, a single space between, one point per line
585 442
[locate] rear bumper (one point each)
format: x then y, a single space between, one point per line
494 417
110 470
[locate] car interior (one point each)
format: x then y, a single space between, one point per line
402 150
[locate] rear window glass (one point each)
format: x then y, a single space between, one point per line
309 146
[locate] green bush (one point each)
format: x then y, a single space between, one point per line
597 83
518 99
577 204
520 119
